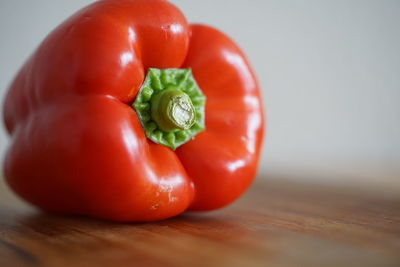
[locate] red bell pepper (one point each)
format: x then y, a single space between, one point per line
91 135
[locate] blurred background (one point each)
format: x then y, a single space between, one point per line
329 73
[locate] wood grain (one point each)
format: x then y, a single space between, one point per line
276 223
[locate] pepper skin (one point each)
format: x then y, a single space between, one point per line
77 146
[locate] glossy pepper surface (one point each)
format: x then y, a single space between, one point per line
79 147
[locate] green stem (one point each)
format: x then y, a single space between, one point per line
170 106
172 110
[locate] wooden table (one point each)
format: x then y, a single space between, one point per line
276 223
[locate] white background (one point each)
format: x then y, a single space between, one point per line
329 72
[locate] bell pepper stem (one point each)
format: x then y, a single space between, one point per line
172 109
170 106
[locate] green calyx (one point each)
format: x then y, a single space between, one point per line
170 106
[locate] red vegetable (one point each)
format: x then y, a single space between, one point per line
79 147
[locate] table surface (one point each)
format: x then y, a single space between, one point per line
277 223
